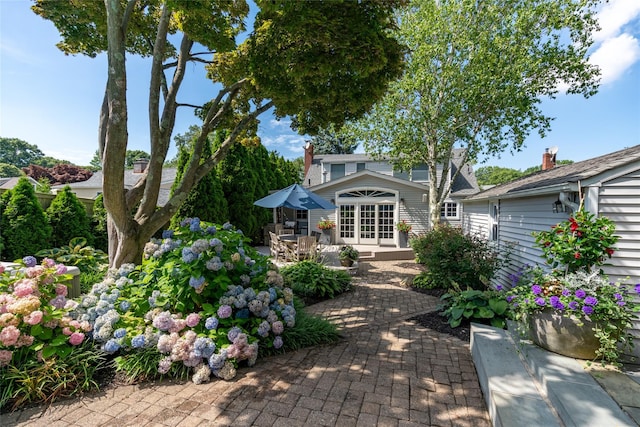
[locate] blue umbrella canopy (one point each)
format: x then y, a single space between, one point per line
295 197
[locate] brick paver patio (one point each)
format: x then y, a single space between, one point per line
386 371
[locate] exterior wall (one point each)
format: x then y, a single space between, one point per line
384 168
475 218
619 200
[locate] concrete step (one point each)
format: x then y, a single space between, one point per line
527 385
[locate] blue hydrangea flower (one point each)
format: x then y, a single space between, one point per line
227 226
111 346
195 224
264 328
196 282
120 333
167 234
125 305
211 230
211 323
243 314
277 342
30 261
216 361
138 341
188 255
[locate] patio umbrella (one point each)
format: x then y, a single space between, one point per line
295 197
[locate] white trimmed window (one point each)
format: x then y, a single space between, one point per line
449 210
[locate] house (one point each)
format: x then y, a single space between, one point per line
609 185
371 197
9 182
91 188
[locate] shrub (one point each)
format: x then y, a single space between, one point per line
424 281
313 280
68 218
488 307
24 226
451 256
202 298
40 352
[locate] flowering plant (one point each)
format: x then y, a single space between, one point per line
581 295
326 224
202 299
34 313
403 226
581 242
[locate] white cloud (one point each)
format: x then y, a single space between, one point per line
282 123
615 56
19 55
288 145
614 15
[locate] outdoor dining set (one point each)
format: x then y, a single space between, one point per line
287 246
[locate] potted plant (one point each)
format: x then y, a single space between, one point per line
326 224
404 228
348 254
574 310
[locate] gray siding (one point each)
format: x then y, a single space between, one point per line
619 200
518 218
475 218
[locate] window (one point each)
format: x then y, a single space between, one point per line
337 171
449 210
360 167
400 174
301 214
420 173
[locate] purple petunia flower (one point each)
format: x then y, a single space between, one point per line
580 293
536 289
540 301
587 310
637 287
510 298
573 305
591 300
499 287
618 296
566 292
554 300
621 303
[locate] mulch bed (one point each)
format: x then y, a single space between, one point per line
433 320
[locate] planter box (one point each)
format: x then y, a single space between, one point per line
563 335
73 284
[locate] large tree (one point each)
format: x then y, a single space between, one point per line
476 74
18 153
332 141
302 59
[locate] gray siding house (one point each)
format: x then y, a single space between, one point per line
371 197
507 214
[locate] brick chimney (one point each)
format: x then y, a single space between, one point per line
548 160
140 165
308 157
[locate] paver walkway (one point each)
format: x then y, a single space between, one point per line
386 371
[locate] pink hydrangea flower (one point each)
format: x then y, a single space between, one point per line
61 289
193 319
61 269
48 262
24 340
23 288
5 357
1 269
9 335
34 317
76 338
67 331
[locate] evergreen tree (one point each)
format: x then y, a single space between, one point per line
68 219
25 228
4 201
99 225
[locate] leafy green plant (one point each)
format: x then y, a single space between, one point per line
424 281
349 252
488 307
142 365
77 253
452 256
44 381
311 279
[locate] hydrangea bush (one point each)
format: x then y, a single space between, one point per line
34 313
202 298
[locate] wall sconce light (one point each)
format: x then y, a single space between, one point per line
333 201
402 202
557 206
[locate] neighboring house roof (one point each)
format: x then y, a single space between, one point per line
130 179
464 185
366 172
9 182
561 177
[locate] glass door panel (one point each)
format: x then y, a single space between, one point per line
347 223
368 225
386 224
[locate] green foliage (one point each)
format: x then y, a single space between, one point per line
68 218
8 170
488 307
332 141
18 153
424 281
25 228
451 256
494 175
142 365
349 252
582 242
35 381
99 224
78 254
90 278
476 74
44 186
308 331
314 280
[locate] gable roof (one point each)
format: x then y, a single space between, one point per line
366 172
130 179
551 180
8 183
464 185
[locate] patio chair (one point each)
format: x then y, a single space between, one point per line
306 248
276 248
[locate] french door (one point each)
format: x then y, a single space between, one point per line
367 223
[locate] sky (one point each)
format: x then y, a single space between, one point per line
53 101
